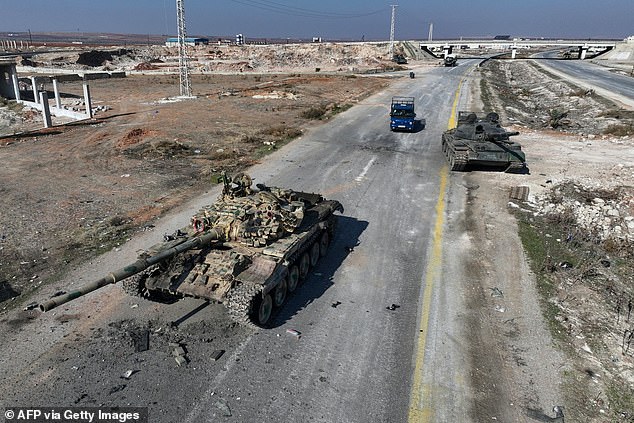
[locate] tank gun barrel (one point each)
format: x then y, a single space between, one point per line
138 266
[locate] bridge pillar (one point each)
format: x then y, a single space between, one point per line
582 51
87 101
16 84
513 51
446 50
46 112
36 98
58 102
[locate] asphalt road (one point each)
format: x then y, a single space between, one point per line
377 316
359 311
588 74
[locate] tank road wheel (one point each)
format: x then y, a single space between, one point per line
314 254
292 278
324 242
263 310
279 294
135 285
304 265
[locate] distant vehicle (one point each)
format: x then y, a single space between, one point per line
451 60
482 142
402 116
400 59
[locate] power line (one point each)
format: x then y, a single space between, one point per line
281 8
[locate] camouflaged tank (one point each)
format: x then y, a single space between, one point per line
248 250
482 142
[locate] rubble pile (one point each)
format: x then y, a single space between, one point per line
606 215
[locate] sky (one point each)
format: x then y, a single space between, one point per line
328 19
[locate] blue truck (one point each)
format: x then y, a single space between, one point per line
402 116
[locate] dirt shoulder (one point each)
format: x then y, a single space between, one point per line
571 259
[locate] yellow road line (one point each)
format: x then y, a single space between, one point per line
421 407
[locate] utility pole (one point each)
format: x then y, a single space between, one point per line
394 6
186 86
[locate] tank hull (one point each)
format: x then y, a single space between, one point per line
238 275
470 145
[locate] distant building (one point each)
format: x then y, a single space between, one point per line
173 42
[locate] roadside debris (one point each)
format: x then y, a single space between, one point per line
215 356
392 307
496 292
31 306
335 304
179 353
223 407
141 340
128 373
295 333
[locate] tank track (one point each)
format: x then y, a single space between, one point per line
460 161
457 159
240 302
515 167
135 285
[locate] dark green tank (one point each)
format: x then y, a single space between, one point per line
248 250
482 142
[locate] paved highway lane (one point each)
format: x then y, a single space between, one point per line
590 75
358 312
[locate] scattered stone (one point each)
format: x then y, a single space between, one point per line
217 354
392 307
128 373
295 333
496 292
223 407
179 351
335 304
180 360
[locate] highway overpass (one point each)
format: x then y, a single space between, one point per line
445 47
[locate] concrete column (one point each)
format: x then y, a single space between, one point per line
513 51
582 51
46 112
16 84
58 101
87 99
36 97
